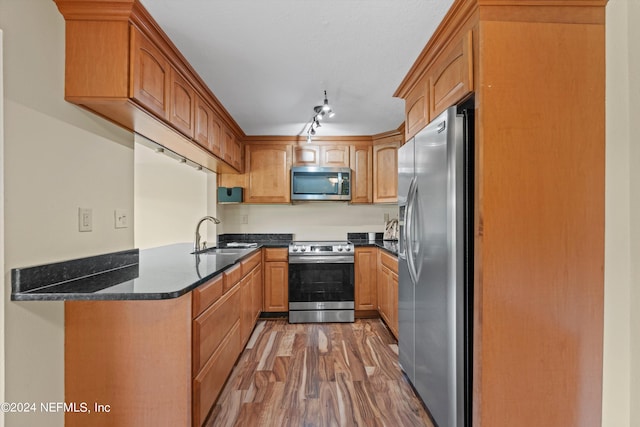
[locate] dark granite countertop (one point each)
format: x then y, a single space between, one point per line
390 246
159 273
362 240
150 274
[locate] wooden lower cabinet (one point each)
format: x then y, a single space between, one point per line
387 287
160 362
257 292
211 327
276 280
132 355
365 272
209 382
246 318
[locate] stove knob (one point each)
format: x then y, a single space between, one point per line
295 249
303 249
340 248
348 248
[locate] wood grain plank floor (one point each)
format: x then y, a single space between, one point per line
319 375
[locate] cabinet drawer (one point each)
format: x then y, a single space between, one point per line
232 276
250 263
209 382
207 294
276 254
389 261
210 328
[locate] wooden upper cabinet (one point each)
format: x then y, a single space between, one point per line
334 155
452 76
150 75
182 104
417 109
216 134
231 150
306 155
361 159
321 155
202 130
122 66
267 168
385 173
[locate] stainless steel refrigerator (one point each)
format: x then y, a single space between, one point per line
435 196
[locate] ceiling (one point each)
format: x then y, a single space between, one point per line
269 62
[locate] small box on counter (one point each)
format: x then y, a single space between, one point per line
229 195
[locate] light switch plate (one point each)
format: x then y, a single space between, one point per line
121 218
85 219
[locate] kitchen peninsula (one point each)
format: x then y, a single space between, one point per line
154 333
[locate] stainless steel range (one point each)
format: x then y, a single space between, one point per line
321 283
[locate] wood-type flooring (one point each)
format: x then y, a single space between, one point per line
317 375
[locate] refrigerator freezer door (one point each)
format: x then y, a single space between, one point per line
406 297
436 377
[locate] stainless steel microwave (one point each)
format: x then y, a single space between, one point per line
320 183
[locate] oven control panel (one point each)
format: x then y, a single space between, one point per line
320 248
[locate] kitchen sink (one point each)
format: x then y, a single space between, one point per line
220 251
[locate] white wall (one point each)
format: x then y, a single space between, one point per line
621 382
634 193
2 373
57 158
170 197
307 221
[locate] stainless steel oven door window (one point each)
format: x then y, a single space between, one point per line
321 291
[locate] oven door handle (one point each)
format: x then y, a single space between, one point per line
310 259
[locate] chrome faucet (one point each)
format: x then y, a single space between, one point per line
197 247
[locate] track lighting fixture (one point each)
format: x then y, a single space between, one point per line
320 112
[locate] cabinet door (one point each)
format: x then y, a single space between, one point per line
246 308
452 76
383 292
215 143
202 125
306 155
150 75
182 104
210 328
207 128
276 286
393 303
362 176
365 278
267 169
208 384
385 173
417 108
231 149
256 296
334 155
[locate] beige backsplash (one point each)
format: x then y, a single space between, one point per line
307 221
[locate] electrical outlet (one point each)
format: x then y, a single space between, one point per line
244 219
386 217
85 219
121 217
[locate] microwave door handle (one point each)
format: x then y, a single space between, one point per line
340 183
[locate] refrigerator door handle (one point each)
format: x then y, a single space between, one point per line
408 229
